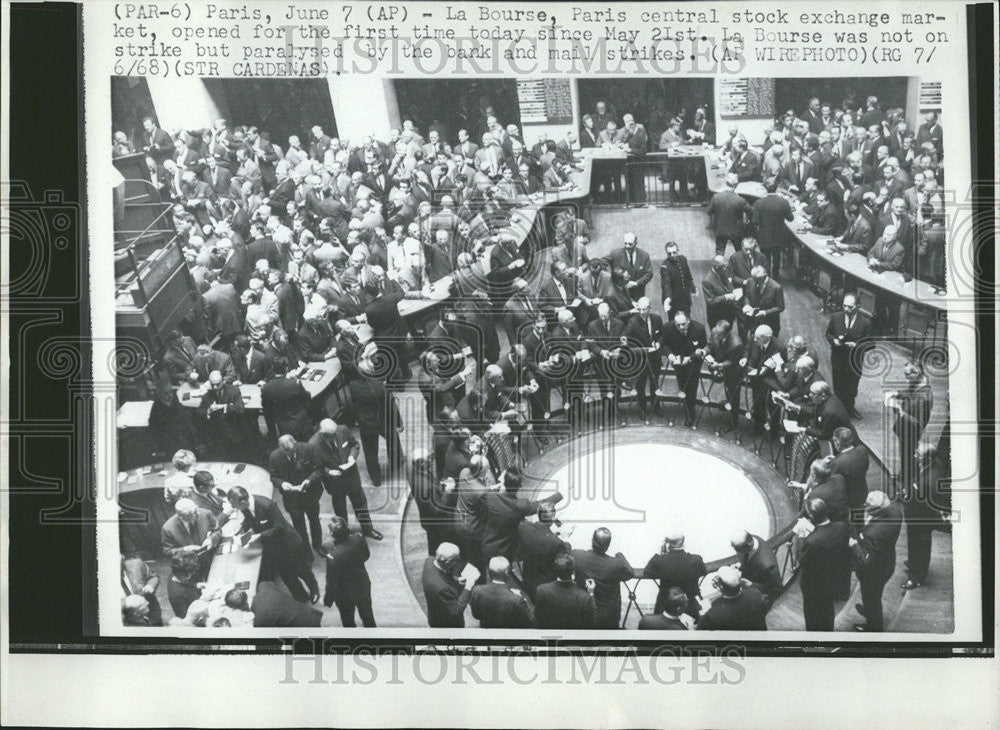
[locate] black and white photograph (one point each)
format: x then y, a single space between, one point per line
586 353
493 364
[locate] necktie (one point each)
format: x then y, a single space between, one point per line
126 585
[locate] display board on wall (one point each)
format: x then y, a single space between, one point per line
545 101
746 98
930 96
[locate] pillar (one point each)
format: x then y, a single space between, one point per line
182 103
363 105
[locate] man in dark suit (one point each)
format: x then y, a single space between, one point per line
740 607
608 573
562 604
538 545
673 566
685 342
382 313
250 364
377 415
504 512
850 461
218 178
874 553
347 581
724 357
296 475
676 283
223 315
746 164
604 339
911 411
672 617
559 292
206 495
283 550
824 561
225 417
634 262
828 219
743 261
763 302
446 592
757 563
728 212
286 405
770 215
273 608
930 131
496 605
206 360
823 484
926 504
436 512
337 450
718 288
797 169
760 362
156 142
643 332
828 413
846 332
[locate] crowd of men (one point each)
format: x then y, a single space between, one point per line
304 255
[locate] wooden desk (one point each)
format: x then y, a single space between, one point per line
318 376
141 491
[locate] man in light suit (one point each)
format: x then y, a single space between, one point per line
190 530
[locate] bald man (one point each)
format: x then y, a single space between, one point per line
496 605
674 566
643 332
447 587
296 473
337 451
740 607
607 572
190 530
757 562
605 338
226 423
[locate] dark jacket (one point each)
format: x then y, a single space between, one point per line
538 547
824 560
286 408
852 465
677 284
761 567
729 212
446 597
273 607
497 607
677 568
875 553
745 612
608 572
504 514
769 216
346 576
564 605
